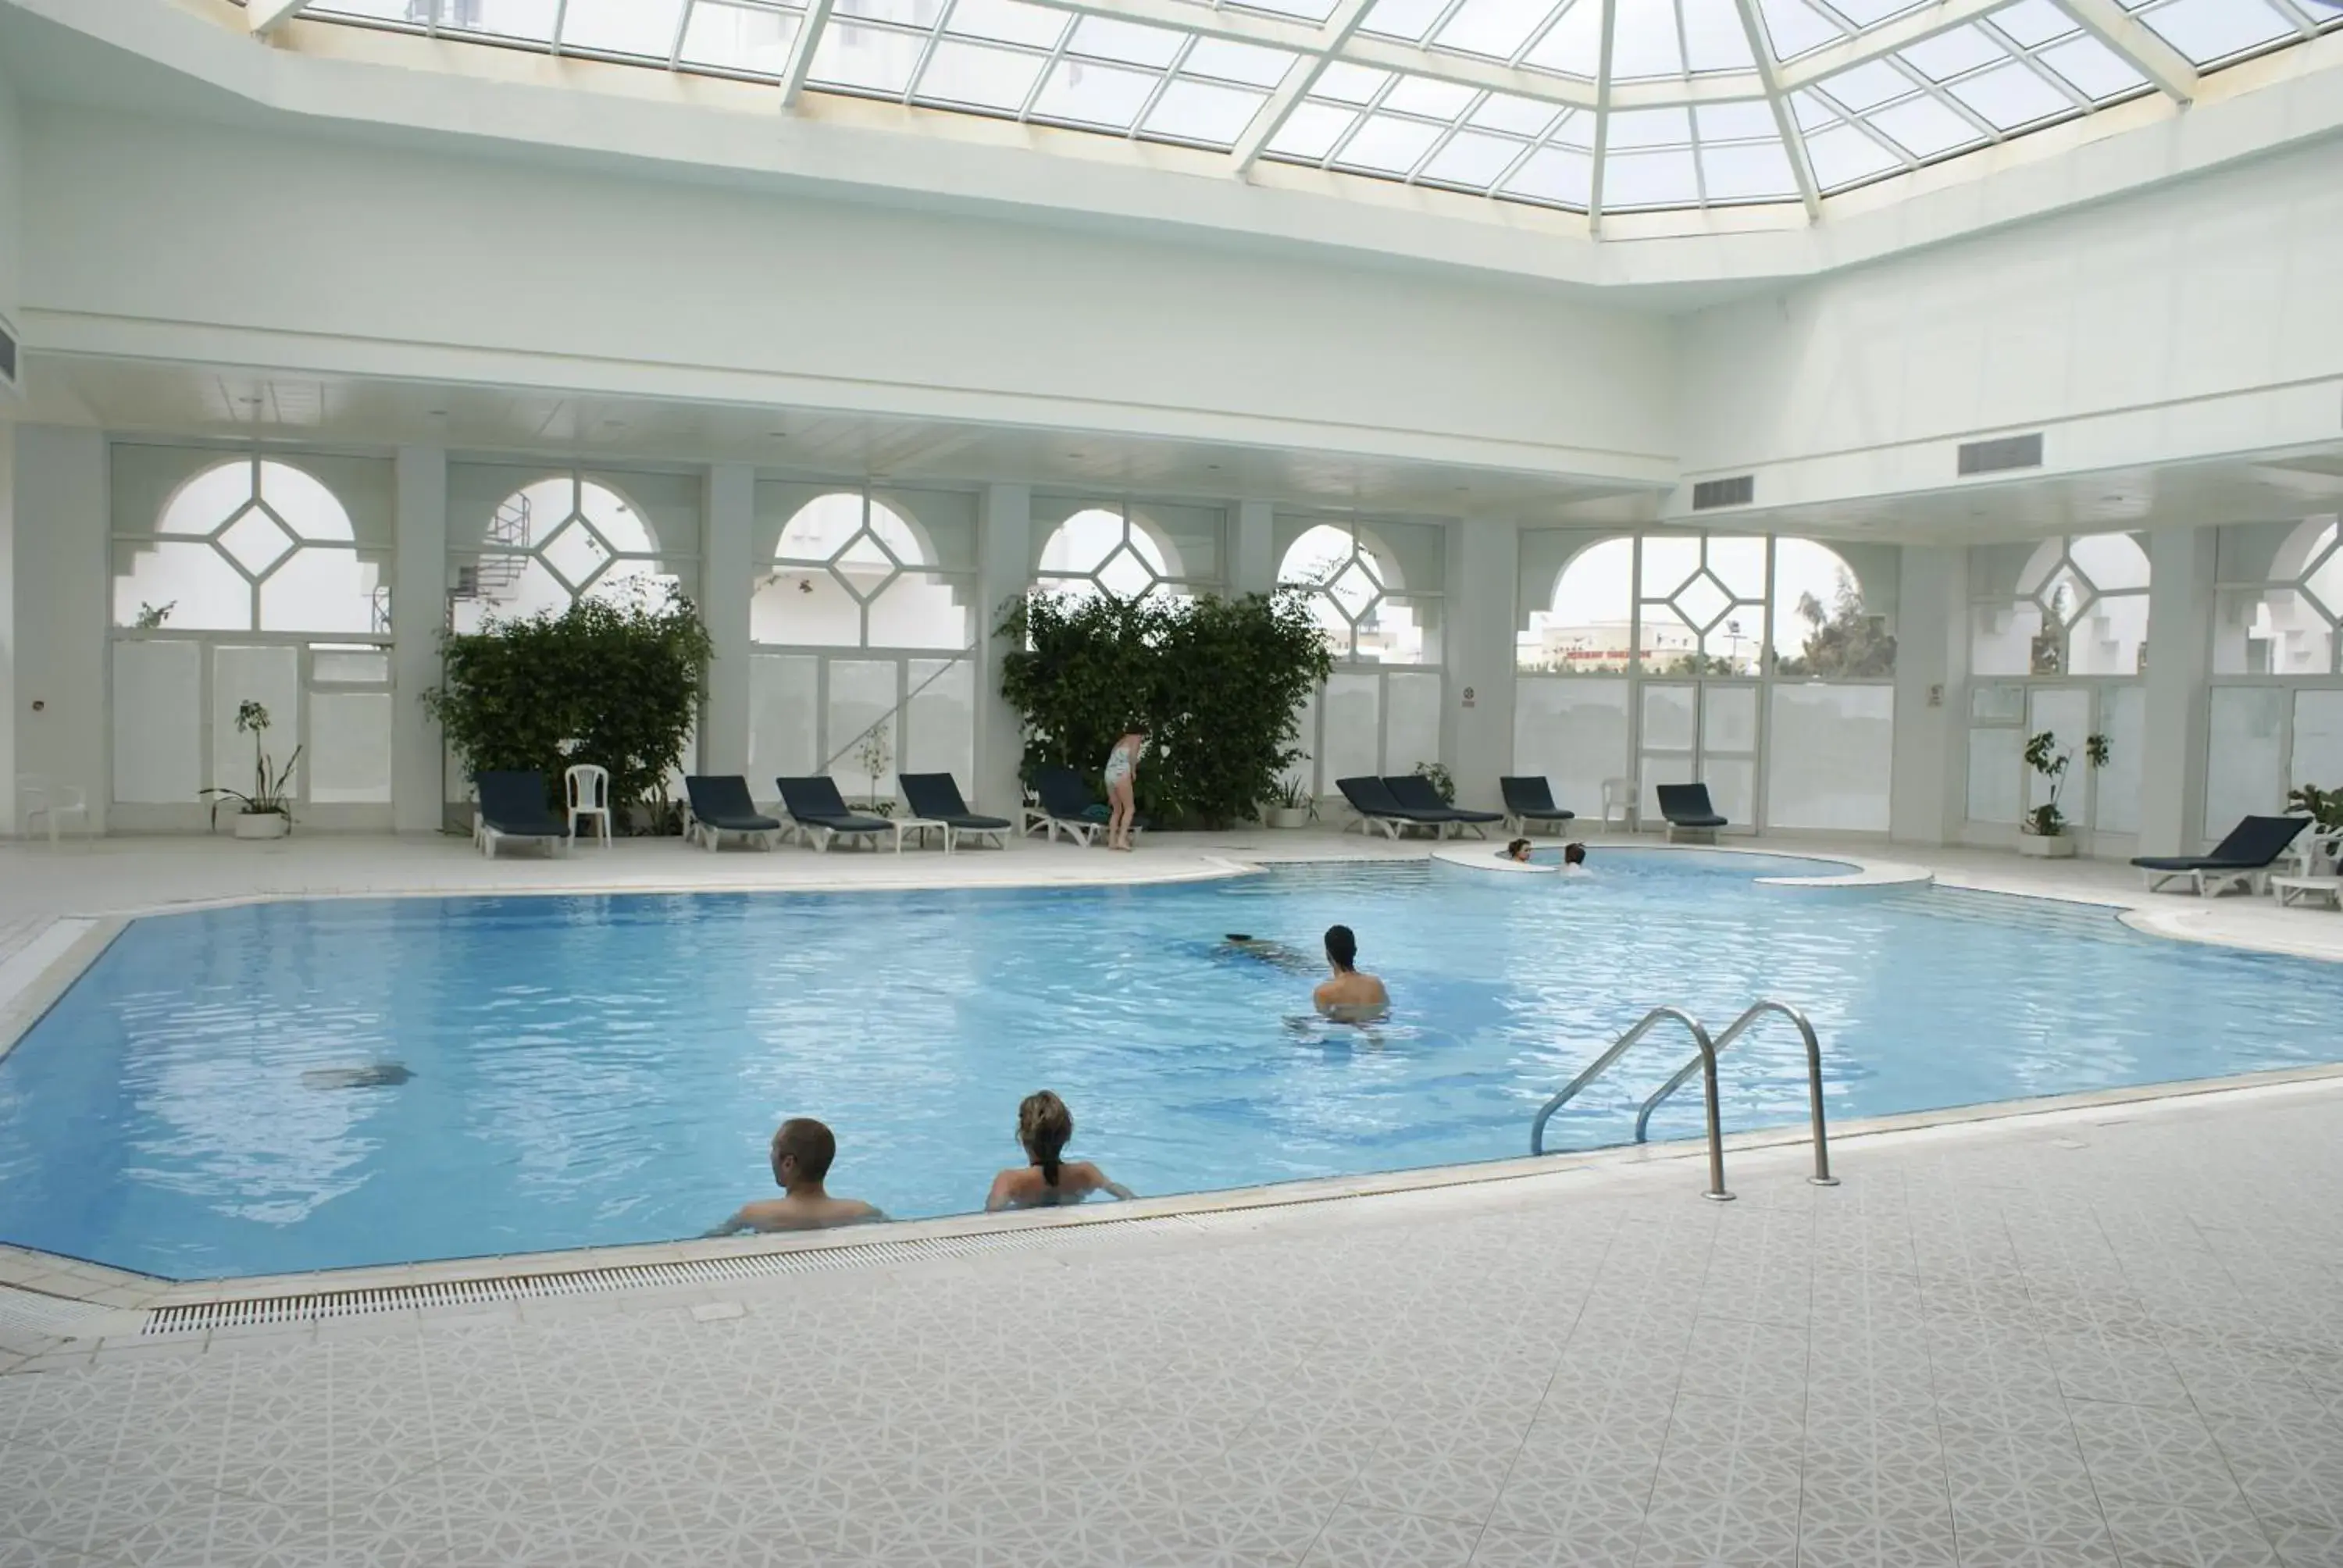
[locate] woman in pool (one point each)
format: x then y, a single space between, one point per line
1044 1126
1519 850
1121 763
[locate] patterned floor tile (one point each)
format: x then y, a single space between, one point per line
1373 1538
2164 1535
1519 1549
2148 1454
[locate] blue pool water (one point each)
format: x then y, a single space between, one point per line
592 1071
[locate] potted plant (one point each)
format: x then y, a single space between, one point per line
2325 809
265 812
2043 832
876 756
1441 780
1291 804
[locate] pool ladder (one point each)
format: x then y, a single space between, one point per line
1704 1063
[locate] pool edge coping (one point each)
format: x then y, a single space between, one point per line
119 1305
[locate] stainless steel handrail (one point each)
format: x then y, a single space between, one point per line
1600 1064
1734 1031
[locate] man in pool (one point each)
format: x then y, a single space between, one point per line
801 1153
1352 995
1574 858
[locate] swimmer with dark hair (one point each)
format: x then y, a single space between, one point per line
1352 995
1574 857
1518 850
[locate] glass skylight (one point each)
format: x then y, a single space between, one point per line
1681 104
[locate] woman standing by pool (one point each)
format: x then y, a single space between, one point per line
1121 763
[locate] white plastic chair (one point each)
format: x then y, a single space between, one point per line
588 786
1624 795
35 796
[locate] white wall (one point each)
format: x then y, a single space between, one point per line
12 211
60 594
318 255
2195 320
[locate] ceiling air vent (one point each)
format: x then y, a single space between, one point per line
2001 453
1710 493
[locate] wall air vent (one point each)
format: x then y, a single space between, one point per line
2001 454
7 355
1710 493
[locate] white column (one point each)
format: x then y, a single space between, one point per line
11 714
1253 558
1927 796
726 584
62 576
2179 651
1004 568
419 614
1477 633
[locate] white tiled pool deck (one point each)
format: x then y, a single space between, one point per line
2101 1335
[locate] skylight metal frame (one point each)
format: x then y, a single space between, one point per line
1447 108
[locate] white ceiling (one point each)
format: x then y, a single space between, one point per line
210 403
2264 488
222 404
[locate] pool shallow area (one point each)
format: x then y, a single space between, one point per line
281 1087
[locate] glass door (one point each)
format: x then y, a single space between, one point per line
1701 731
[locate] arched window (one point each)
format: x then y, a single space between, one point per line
1113 551
1701 602
1588 625
2280 613
1823 630
852 571
555 541
251 545
2077 606
1357 593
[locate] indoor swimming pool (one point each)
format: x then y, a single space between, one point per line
288 1086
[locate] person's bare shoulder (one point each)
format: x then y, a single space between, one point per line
771 1214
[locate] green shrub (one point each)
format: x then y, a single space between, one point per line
1218 683
623 681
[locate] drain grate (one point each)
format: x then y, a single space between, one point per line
194 1317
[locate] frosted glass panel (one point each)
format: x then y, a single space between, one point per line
1668 717
1412 735
1729 720
349 748
349 667
1996 703
1574 733
782 738
861 693
2123 718
270 676
158 707
2318 740
1994 781
941 727
2065 711
1351 743
1303 769
1731 788
2242 776
1830 757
